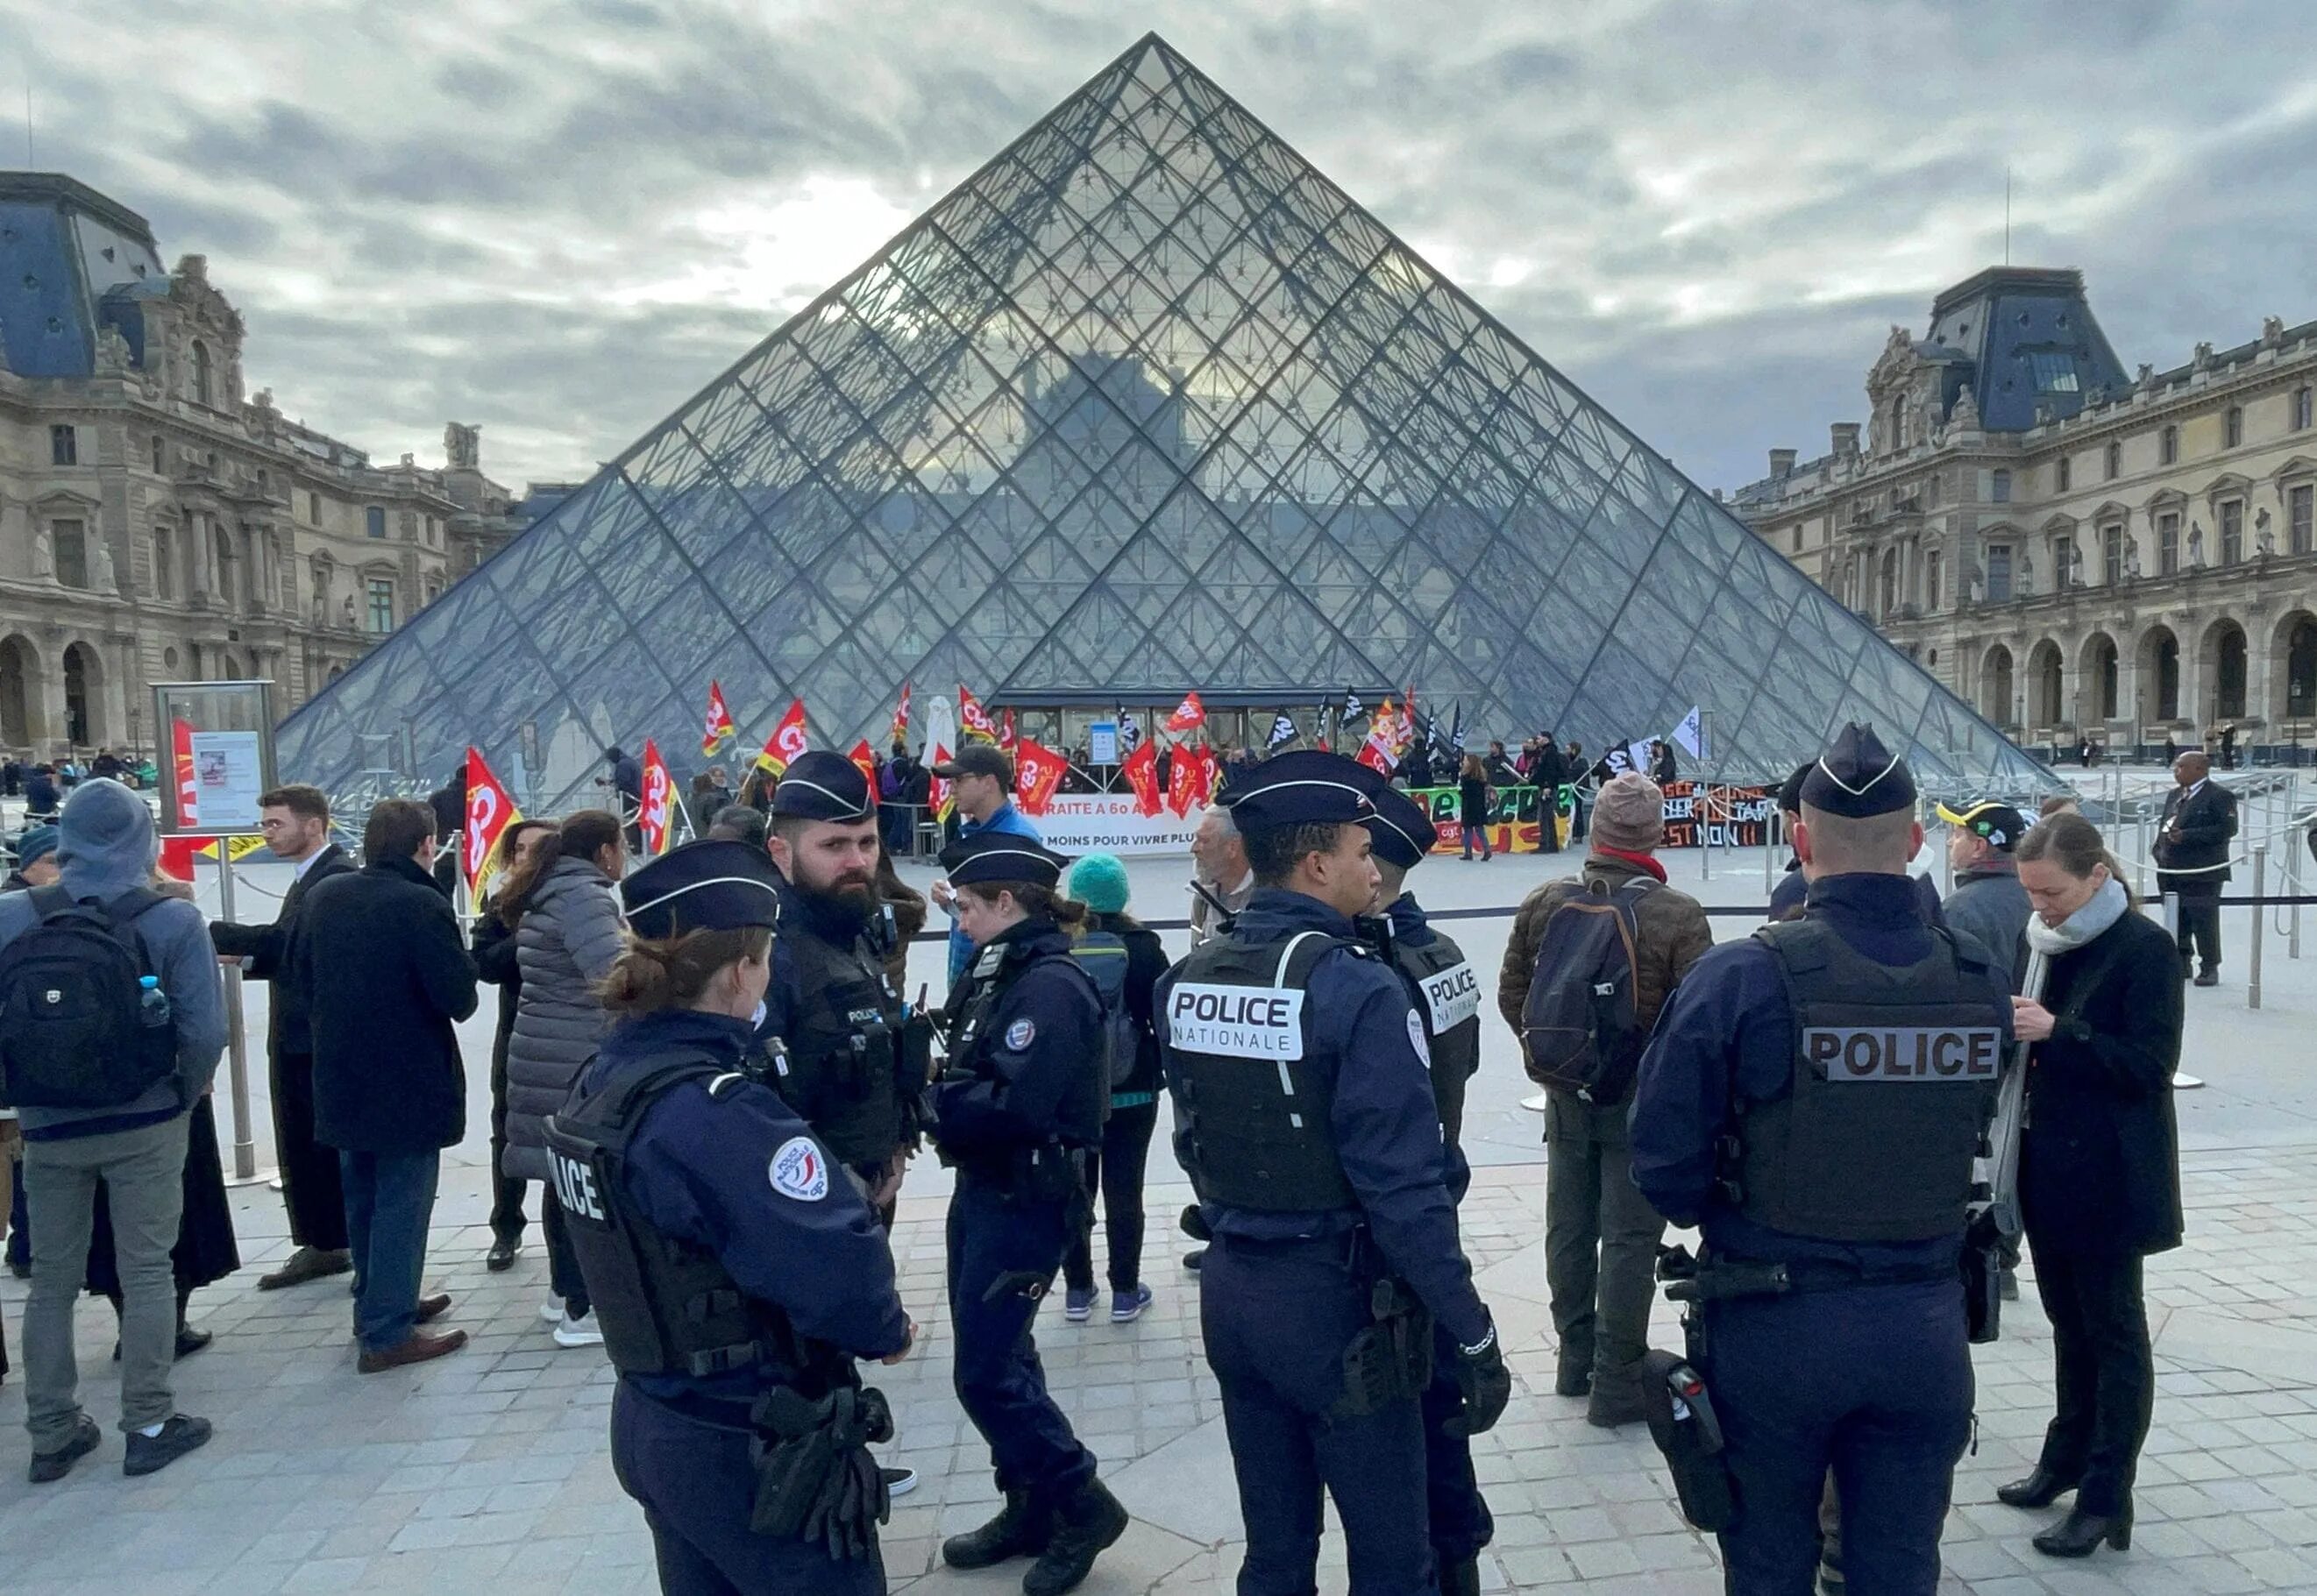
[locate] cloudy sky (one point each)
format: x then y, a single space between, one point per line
560 218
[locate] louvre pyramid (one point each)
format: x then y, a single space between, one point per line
1146 404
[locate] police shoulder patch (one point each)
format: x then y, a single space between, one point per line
1021 1034
799 1169
1416 1037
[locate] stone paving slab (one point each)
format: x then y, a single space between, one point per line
487 1472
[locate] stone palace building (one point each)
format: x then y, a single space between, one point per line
157 522
2078 550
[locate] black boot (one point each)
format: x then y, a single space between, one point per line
1083 1526
2040 1489
1020 1530
2080 1534
1460 1579
1616 1398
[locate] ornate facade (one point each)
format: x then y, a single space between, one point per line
159 524
2078 552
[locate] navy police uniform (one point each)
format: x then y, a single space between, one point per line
736 1277
1811 1100
1020 1100
1447 992
1305 1118
841 1047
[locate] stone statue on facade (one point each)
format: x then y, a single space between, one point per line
321 604
346 612
2195 545
100 566
2023 581
44 555
2132 560
1966 410
462 447
2264 543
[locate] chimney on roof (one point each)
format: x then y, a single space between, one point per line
1782 463
1845 440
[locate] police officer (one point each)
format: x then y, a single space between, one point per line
850 1061
736 1275
1021 1099
1447 996
1812 1099
1305 1117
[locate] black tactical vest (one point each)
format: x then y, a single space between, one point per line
1447 992
974 1039
844 1027
666 1306
1257 1131
1894 1081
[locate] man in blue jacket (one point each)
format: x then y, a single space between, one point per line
984 775
106 847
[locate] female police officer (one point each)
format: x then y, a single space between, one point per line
1021 1100
736 1275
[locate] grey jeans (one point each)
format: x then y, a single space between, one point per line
143 1170
1600 1238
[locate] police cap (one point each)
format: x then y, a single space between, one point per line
1857 778
1303 787
709 886
1000 856
823 785
2002 825
1401 828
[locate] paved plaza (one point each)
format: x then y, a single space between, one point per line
487 1472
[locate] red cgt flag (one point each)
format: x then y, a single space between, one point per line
941 795
972 719
1008 739
865 761
1038 772
490 811
718 730
899 731
1140 769
1188 715
658 802
787 741
1186 779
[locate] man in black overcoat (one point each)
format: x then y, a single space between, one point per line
2192 860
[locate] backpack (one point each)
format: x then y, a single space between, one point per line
1102 954
74 1029
1580 1030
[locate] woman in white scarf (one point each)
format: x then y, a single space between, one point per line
2099 1180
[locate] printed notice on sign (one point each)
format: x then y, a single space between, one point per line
1263 1022
230 773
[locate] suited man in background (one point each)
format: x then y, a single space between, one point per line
2192 858
296 824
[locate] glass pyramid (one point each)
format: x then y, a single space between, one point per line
1145 404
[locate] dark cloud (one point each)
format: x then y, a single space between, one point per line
560 218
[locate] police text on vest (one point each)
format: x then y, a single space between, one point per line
1237 1022
1903 1052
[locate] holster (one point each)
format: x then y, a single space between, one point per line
816 1480
1982 1280
1710 1281
1390 1359
1686 1430
913 1056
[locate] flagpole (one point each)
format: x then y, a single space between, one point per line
1705 819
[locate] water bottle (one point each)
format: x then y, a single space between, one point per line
152 1003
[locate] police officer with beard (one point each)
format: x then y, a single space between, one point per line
1811 1100
1305 1117
1018 1103
1447 996
736 1275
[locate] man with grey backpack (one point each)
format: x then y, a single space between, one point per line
111 1019
1591 962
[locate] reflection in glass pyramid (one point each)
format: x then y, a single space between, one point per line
1145 404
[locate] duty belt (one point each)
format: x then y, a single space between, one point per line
1712 1280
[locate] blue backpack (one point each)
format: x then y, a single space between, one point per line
1102 954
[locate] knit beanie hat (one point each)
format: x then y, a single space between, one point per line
1098 881
1629 815
37 844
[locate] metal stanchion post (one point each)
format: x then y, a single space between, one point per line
2260 891
1770 845
237 1040
2182 1081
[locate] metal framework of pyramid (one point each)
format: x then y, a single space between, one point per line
1146 404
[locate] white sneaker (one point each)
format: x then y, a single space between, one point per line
578 1332
899 1482
550 1312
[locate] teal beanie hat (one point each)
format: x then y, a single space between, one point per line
1098 881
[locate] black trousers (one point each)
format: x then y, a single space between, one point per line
2105 1377
2200 924
1116 1172
508 1220
563 1276
312 1188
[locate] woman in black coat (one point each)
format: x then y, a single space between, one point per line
2100 1169
1472 805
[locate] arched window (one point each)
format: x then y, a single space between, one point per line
164 559
160 455
2167 447
204 380
2229 695
225 564
2304 402
2062 474
1889 605
1931 580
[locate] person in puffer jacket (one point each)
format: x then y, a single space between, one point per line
568 931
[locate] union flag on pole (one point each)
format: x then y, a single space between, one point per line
864 760
658 802
1380 752
189 787
1140 769
942 793
1188 714
900 728
787 741
490 811
718 728
1186 778
1008 737
972 719
1038 772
